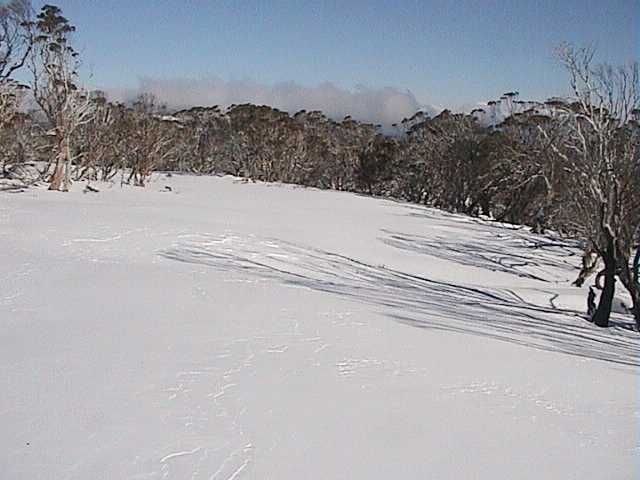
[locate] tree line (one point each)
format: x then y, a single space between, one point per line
568 164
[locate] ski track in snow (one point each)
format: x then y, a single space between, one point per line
179 454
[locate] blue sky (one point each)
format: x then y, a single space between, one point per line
447 53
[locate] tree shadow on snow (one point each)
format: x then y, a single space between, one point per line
509 252
414 300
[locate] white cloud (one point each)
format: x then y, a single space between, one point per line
377 105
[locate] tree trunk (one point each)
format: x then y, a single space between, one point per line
60 178
628 274
636 314
57 177
634 288
630 281
67 165
636 280
603 312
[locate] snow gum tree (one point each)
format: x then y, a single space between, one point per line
15 37
600 151
54 66
15 46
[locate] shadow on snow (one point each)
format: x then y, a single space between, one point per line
414 300
507 252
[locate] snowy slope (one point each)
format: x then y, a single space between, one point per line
226 330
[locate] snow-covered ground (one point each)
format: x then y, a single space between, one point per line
227 330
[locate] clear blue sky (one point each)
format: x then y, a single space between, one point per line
446 52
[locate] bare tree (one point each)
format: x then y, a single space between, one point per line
15 46
600 151
98 142
11 95
13 126
150 138
15 37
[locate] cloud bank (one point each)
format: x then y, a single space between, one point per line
383 106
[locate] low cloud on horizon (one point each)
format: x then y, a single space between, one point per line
383 106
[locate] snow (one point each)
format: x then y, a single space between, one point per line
228 330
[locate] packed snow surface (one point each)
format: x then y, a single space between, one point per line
227 330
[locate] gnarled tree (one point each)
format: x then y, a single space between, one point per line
600 150
54 67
